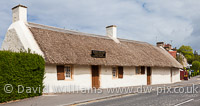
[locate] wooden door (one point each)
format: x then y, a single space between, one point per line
60 73
95 77
120 72
148 75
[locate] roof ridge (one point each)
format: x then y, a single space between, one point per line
30 24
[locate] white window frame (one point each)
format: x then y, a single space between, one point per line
68 68
116 72
139 70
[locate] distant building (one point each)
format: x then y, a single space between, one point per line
173 51
167 47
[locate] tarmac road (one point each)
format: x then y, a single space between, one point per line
174 97
133 99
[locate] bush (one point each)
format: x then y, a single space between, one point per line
195 65
21 69
194 73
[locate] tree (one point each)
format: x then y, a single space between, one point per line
196 56
195 53
195 65
189 58
187 51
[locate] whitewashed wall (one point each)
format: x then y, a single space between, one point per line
12 41
81 79
129 78
176 75
20 37
160 75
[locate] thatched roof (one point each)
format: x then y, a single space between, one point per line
70 47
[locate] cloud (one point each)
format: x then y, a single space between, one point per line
142 20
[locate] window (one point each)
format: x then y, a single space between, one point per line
64 72
68 72
120 72
114 72
117 72
140 70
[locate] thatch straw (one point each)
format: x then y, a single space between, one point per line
71 47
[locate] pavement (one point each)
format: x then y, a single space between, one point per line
106 96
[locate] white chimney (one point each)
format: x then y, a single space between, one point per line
111 31
19 13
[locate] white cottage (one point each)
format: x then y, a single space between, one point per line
85 60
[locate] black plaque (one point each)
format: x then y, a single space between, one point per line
98 54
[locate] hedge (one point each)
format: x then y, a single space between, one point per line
195 74
21 70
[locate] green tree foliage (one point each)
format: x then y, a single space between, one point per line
24 69
196 56
187 51
189 58
195 65
195 52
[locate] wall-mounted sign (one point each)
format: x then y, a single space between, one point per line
98 54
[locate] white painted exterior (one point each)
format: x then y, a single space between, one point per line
22 37
18 36
129 78
111 32
19 14
81 79
176 75
161 75
12 41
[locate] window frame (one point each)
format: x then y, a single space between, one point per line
116 73
140 71
71 72
143 71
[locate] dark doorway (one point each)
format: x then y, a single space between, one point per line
148 75
95 77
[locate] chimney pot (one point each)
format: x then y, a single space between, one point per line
111 31
111 26
160 44
19 13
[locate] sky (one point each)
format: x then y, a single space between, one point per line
171 21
